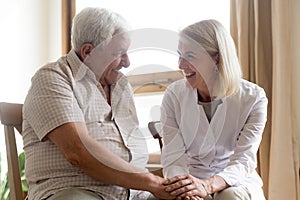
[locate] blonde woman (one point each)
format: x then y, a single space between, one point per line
212 121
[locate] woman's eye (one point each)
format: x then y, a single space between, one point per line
190 56
179 54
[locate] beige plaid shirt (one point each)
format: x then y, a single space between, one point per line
67 91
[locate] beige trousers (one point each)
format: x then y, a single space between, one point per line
75 194
231 193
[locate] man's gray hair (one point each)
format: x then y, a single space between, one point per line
96 26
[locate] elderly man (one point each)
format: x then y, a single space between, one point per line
81 137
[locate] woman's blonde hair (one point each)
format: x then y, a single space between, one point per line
212 36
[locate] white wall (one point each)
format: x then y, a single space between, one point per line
30 36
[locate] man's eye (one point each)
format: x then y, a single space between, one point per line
116 55
119 53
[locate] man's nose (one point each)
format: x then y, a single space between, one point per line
125 60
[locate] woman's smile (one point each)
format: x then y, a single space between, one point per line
189 74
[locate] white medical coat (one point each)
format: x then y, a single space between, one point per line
226 146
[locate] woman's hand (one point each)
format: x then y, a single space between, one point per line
187 187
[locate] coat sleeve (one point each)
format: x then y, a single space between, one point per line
243 161
174 158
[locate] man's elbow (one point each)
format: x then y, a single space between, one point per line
75 158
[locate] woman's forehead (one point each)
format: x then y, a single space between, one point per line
194 47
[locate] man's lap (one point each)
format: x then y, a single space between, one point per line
75 194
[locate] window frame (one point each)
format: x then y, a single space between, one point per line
68 10
141 83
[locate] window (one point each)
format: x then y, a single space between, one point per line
31 37
154 65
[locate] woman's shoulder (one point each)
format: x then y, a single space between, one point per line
251 89
177 85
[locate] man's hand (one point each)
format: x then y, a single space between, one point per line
159 189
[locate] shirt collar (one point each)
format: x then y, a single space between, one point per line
78 68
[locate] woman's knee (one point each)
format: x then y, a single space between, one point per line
232 193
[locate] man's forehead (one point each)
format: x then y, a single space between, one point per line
119 41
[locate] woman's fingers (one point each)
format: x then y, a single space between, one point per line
196 198
182 190
186 187
179 186
175 179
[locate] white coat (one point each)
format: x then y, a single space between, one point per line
226 146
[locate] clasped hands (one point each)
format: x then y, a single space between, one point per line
187 187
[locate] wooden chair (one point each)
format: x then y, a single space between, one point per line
154 164
11 118
155 129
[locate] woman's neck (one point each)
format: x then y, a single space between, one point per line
204 95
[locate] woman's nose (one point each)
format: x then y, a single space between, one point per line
182 64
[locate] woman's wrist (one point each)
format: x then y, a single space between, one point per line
215 184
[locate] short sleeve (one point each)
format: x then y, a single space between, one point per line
50 101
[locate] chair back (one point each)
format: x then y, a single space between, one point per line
155 129
11 118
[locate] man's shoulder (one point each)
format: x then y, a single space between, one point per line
57 68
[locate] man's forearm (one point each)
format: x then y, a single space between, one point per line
92 157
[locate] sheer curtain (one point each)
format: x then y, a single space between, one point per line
265 33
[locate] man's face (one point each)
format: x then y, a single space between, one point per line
117 52
107 60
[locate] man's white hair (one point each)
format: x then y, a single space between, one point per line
96 26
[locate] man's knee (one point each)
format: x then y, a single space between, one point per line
75 194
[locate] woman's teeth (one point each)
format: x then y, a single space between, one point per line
190 74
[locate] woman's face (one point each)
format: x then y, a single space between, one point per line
197 65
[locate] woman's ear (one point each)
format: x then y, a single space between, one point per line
216 58
85 50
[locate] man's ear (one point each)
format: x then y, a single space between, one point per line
85 50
